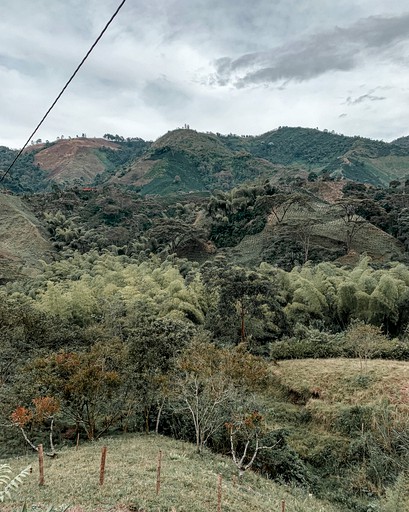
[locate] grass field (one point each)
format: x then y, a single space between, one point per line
189 482
332 388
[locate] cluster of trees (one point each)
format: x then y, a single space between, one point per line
26 176
386 208
100 343
114 219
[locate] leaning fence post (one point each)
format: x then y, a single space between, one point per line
158 470
219 493
102 467
41 463
282 505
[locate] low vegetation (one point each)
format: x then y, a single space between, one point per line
189 482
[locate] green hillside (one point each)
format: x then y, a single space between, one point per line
355 158
235 293
23 239
25 177
185 160
189 482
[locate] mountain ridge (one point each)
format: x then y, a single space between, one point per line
184 160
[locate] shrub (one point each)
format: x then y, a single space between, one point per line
8 484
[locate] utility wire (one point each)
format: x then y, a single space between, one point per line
63 90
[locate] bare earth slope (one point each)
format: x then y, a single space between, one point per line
71 159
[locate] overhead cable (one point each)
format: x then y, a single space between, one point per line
63 90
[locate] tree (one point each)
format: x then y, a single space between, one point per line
153 348
280 204
353 222
211 383
248 308
45 409
304 231
247 431
364 340
203 389
89 385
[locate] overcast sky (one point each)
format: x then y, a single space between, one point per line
237 66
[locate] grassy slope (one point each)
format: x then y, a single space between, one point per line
326 233
188 481
22 241
335 379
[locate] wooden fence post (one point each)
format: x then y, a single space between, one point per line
282 505
102 467
41 463
219 493
158 472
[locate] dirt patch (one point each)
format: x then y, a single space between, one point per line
136 176
73 158
329 191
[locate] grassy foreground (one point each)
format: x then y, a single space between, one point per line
188 481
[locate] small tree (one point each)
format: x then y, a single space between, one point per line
246 432
89 385
353 222
45 409
214 382
204 389
364 340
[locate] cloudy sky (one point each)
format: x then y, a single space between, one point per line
225 66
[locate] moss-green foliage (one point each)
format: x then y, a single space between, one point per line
25 176
286 145
185 160
126 322
112 289
240 212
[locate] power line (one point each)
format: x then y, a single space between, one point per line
63 90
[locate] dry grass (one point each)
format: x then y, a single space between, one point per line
189 481
342 380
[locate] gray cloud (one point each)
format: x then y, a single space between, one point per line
146 76
364 97
164 94
339 49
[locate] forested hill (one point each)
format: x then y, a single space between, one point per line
184 160
328 153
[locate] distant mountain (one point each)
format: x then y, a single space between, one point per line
80 161
185 160
402 141
327 153
70 160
